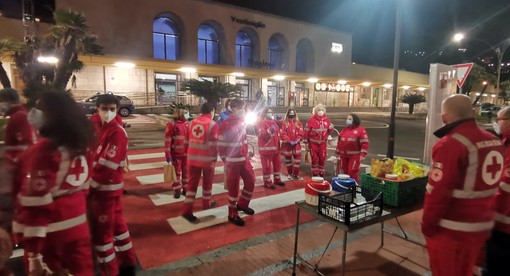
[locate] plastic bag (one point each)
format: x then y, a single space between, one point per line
379 168
308 157
406 170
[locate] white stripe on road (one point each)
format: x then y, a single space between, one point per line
219 215
158 178
146 166
168 198
146 156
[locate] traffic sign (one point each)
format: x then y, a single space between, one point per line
462 72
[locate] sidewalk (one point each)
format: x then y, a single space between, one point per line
273 254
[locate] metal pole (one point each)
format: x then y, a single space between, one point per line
396 56
294 260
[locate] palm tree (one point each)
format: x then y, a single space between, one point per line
7 48
213 92
412 99
67 39
70 37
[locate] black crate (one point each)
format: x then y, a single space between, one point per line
357 205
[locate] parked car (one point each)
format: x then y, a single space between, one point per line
125 109
490 110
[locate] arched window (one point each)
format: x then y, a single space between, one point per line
304 56
208 45
244 49
165 36
278 52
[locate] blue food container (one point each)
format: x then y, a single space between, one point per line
342 183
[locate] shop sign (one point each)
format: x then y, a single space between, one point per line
332 87
337 47
260 63
248 22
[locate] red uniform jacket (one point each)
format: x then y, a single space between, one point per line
176 138
291 132
108 171
202 147
269 143
463 181
52 199
503 197
352 141
317 129
19 135
232 144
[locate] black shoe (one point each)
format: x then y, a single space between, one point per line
127 271
190 218
247 210
236 220
272 187
177 194
183 192
281 183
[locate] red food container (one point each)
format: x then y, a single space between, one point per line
315 186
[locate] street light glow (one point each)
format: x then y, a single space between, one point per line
366 84
405 87
458 37
421 89
484 83
279 77
237 74
313 80
387 85
188 70
342 82
124 64
48 59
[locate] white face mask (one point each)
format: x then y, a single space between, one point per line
496 127
107 116
320 113
35 118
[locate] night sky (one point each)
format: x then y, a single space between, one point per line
427 26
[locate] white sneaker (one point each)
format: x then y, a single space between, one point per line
297 177
290 177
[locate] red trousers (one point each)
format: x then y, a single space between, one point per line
450 257
75 256
290 152
271 161
180 164
349 165
235 172
110 234
318 153
191 190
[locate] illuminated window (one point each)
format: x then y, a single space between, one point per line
165 38
208 45
244 48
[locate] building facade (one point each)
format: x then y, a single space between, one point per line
280 61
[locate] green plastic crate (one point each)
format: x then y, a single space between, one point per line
397 193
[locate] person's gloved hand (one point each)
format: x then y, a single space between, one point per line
169 159
362 158
274 128
331 126
293 143
269 131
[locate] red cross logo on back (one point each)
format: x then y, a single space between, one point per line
78 171
492 167
198 131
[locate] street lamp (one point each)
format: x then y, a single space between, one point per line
396 57
500 52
